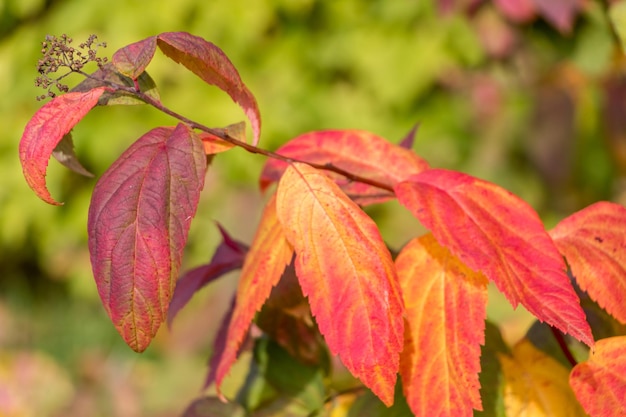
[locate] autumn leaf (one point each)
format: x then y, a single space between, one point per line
493 231
346 271
445 305
600 382
210 63
265 262
133 59
65 154
46 129
139 218
359 152
536 385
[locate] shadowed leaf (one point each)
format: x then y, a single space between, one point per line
46 129
600 382
139 218
593 241
213 407
64 153
132 59
359 152
210 63
493 231
445 305
346 271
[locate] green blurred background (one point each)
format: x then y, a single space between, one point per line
521 104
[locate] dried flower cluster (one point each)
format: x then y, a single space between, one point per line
57 54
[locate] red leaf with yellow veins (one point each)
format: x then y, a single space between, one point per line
46 129
265 262
133 59
600 382
212 65
445 304
346 271
593 241
359 152
139 219
493 231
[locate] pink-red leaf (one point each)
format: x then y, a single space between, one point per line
46 129
593 241
265 262
493 231
517 10
600 382
347 272
210 63
133 59
228 256
359 152
560 13
139 218
445 305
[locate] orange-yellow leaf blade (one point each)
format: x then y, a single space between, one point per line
445 305
265 262
347 273
593 241
536 385
493 231
600 382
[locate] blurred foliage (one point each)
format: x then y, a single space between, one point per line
534 110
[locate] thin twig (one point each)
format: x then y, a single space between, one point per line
558 335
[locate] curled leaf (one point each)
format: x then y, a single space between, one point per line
65 154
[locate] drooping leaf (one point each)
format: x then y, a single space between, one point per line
65 154
213 407
445 305
107 74
133 59
210 63
600 382
346 271
219 345
45 130
228 256
493 231
139 218
265 262
536 385
593 241
359 152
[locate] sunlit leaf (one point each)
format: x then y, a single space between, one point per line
46 129
139 218
493 231
210 63
593 241
359 152
132 59
535 385
265 262
600 382
346 271
445 305
65 154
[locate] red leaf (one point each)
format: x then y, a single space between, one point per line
139 218
46 129
593 241
493 231
359 152
228 256
445 305
265 262
133 59
347 272
210 63
600 382
219 345
517 10
560 13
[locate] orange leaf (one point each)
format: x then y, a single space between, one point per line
359 152
600 382
265 262
593 241
347 272
493 231
445 305
536 385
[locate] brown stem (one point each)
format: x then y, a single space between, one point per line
560 339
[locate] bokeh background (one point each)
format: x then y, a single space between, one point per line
532 100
